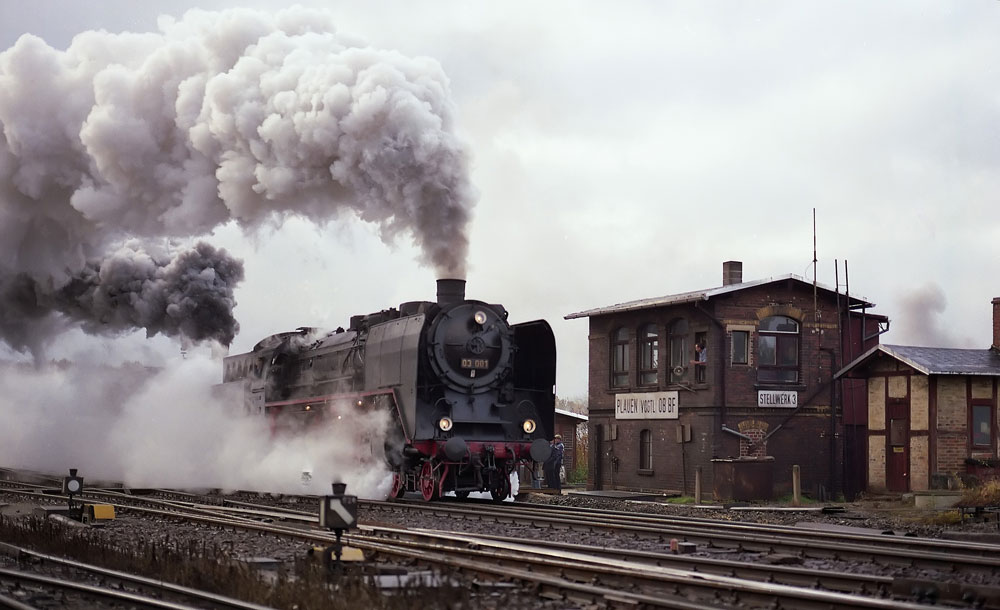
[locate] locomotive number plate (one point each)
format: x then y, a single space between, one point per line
475 363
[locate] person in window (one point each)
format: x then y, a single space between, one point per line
700 360
700 354
553 465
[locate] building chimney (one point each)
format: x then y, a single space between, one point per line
996 324
732 273
450 291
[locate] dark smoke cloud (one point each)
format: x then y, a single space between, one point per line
921 319
189 295
232 116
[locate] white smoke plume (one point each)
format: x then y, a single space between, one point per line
219 116
166 428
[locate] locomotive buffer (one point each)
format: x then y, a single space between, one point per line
338 512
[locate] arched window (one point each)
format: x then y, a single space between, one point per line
649 354
778 350
619 358
646 450
678 342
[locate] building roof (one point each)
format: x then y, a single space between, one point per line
566 413
934 360
700 295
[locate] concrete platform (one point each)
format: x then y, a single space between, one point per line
619 495
937 499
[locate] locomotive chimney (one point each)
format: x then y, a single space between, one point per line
450 291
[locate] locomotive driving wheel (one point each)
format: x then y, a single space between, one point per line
499 485
398 485
429 482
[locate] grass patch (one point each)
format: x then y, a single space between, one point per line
681 500
947 517
987 494
578 476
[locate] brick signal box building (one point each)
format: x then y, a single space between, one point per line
728 377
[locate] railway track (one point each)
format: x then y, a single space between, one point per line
610 574
736 537
668 578
51 581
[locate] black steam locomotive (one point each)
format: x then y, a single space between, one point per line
471 394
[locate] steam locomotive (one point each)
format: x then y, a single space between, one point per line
471 395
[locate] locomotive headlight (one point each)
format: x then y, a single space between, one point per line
480 317
445 424
528 426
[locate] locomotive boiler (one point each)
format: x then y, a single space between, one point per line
470 396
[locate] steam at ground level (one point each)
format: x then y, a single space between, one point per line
170 427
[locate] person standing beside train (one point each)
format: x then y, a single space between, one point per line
553 466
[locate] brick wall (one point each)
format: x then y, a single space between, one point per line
756 444
919 476
674 464
898 386
805 439
876 403
952 424
982 387
876 462
919 403
804 442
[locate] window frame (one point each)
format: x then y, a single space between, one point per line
677 338
619 358
649 354
646 451
746 347
700 367
987 404
785 342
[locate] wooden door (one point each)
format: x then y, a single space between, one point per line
598 458
897 459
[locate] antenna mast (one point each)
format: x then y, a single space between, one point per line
815 298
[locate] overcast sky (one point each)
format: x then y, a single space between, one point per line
625 150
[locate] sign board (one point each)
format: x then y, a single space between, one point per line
646 405
777 398
339 512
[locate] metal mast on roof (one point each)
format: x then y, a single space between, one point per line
815 298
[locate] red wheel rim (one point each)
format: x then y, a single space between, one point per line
398 485
428 486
